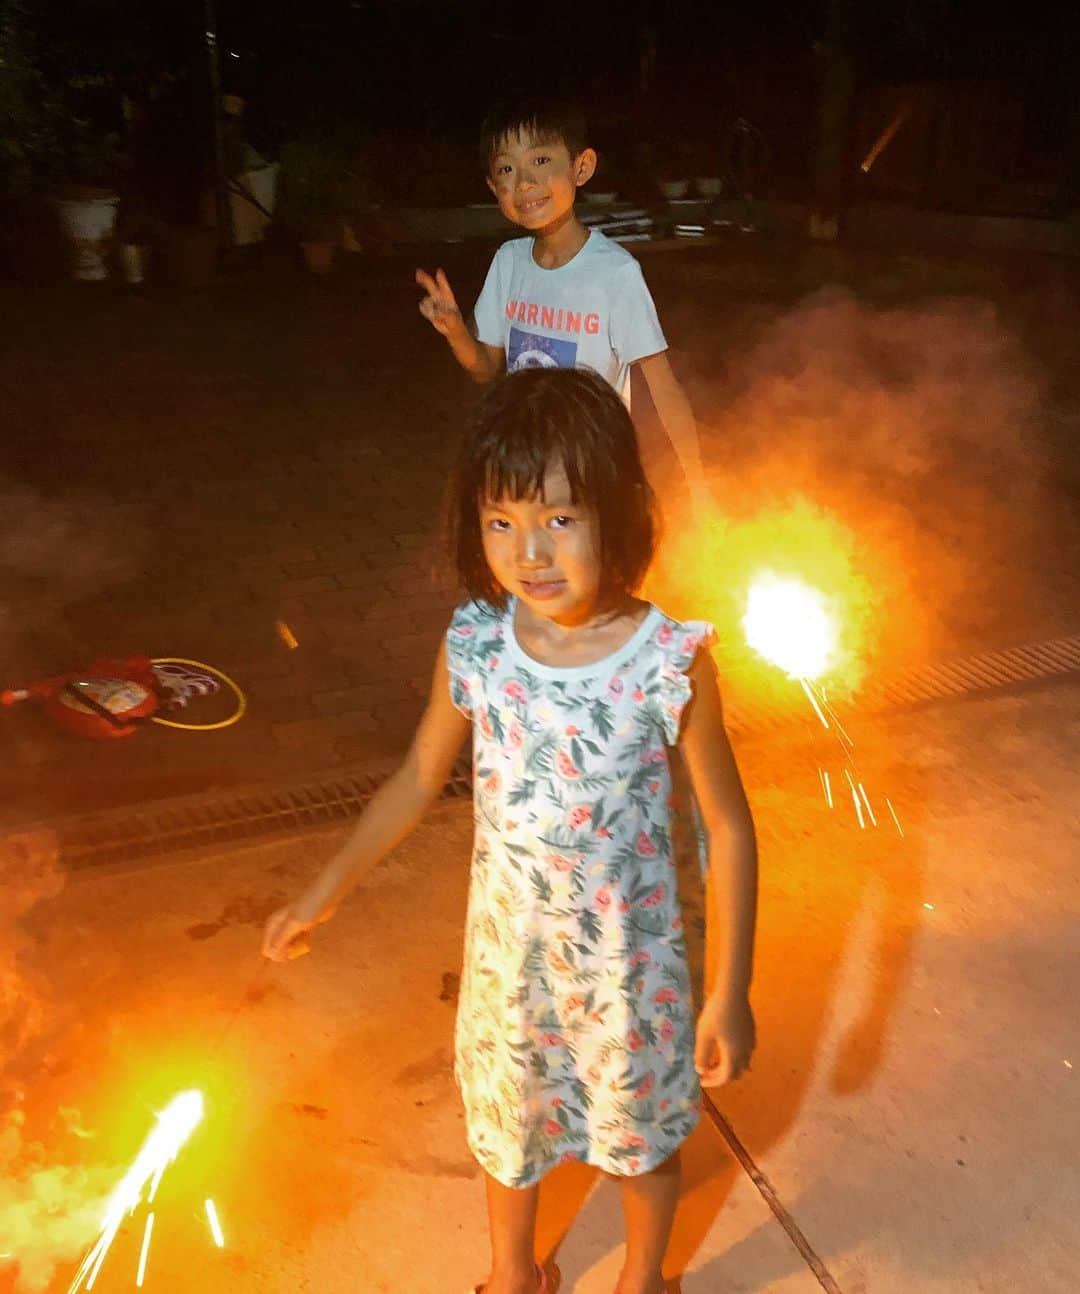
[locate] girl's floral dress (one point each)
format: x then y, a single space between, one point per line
575 1029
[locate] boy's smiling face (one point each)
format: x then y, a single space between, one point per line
535 182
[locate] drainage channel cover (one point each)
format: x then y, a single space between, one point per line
190 822
222 817
927 684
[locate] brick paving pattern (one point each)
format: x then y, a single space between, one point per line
190 471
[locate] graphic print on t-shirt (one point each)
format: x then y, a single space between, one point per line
531 350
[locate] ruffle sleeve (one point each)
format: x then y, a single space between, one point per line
463 649
678 644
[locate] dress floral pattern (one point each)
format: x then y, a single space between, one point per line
575 1027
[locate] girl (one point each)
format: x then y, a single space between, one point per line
575 1030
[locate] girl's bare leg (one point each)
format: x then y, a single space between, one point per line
649 1203
512 1221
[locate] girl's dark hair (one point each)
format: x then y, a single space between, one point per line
548 122
524 422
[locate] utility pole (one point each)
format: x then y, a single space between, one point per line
837 56
221 190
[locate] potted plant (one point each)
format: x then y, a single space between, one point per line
54 150
314 183
88 165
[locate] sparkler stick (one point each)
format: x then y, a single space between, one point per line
249 995
145 1249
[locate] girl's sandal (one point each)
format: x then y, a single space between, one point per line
545 1287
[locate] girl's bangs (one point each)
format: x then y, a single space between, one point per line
515 468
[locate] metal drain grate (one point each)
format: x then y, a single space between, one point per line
189 822
929 683
979 673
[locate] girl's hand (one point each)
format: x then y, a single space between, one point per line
439 307
725 1041
285 933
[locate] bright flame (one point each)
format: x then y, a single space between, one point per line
174 1126
789 624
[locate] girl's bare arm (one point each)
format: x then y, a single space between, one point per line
394 810
726 1029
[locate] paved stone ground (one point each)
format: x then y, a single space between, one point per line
911 1102
182 473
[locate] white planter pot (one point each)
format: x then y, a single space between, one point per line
89 224
249 223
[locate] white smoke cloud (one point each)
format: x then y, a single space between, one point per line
921 429
55 550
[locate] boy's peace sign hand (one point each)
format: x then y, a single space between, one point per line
439 307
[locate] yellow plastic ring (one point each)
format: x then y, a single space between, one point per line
241 699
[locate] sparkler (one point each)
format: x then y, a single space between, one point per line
790 625
174 1127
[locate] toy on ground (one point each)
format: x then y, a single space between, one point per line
113 697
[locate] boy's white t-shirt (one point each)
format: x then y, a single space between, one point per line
594 312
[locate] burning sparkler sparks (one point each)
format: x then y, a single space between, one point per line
215 1225
174 1126
145 1250
826 786
790 624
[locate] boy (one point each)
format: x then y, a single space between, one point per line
564 296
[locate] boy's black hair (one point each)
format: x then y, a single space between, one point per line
523 422
548 121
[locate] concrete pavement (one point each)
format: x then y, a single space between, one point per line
912 1101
